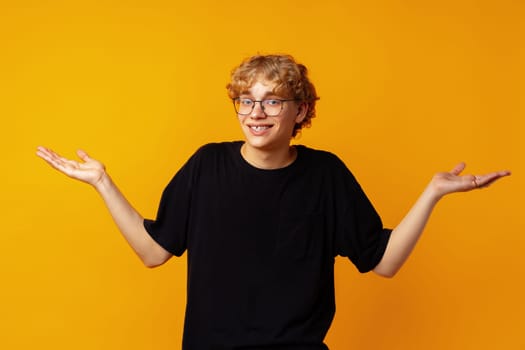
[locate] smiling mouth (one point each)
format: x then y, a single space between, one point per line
259 128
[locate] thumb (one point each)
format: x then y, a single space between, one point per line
458 168
83 155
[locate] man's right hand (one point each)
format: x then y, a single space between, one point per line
89 170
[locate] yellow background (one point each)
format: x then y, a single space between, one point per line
408 88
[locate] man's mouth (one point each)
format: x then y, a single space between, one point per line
259 128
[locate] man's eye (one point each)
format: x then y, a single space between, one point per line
246 101
272 102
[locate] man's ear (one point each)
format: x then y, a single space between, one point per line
301 112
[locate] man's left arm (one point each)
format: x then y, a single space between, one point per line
405 236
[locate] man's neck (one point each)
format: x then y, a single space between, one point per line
269 159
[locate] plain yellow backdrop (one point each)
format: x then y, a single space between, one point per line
408 88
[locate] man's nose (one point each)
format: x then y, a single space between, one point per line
257 111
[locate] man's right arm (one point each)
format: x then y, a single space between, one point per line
128 220
131 224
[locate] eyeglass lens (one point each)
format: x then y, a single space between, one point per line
245 106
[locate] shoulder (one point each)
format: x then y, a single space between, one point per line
216 149
320 157
208 159
215 156
326 165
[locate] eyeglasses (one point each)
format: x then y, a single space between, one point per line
271 107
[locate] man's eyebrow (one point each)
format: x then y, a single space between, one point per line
266 94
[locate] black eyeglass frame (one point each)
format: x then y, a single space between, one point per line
262 107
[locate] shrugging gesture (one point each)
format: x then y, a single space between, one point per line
406 234
273 100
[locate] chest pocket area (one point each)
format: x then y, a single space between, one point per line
300 236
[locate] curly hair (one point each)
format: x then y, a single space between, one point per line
290 79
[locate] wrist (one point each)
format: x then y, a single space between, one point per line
432 194
103 184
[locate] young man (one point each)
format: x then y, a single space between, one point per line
262 220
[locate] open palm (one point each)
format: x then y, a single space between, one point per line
449 182
89 170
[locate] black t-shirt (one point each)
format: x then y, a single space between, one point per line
261 245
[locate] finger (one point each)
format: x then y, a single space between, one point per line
475 182
57 156
44 155
47 154
51 155
56 161
458 168
44 152
51 160
486 180
41 149
63 164
83 155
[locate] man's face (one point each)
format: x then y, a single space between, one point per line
269 133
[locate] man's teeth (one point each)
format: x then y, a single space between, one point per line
259 128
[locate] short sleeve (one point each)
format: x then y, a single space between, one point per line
170 228
360 234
